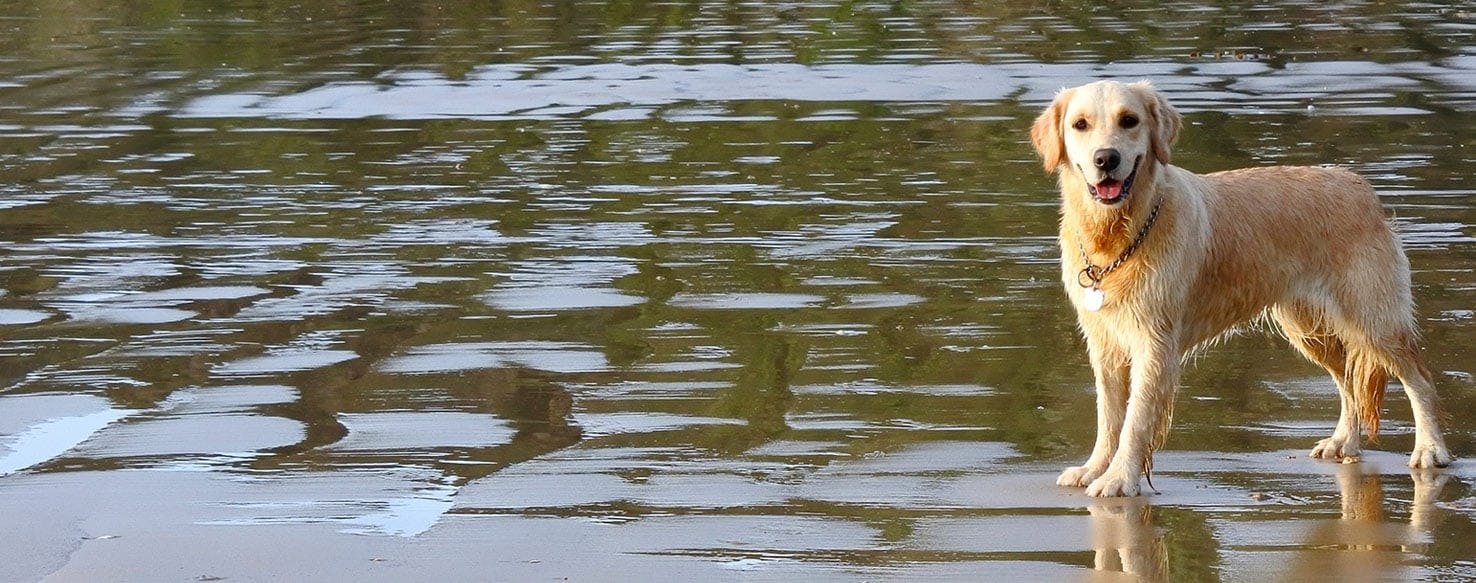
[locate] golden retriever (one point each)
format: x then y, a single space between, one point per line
1158 261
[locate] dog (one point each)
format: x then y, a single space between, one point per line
1159 261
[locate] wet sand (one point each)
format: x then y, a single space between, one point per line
932 511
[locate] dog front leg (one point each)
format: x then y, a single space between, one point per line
1110 368
1154 374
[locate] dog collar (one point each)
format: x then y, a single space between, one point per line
1090 277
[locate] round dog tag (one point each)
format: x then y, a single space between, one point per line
1092 299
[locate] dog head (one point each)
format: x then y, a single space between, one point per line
1103 133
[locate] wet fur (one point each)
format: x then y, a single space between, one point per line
1305 247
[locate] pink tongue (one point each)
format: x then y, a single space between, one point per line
1109 189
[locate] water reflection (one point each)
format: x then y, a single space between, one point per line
623 278
1365 542
1372 534
1125 540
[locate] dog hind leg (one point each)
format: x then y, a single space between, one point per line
1305 327
1378 326
1419 386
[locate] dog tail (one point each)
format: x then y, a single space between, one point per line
1366 377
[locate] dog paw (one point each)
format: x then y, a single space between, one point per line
1430 455
1078 476
1113 484
1337 448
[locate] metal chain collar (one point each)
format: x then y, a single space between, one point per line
1095 274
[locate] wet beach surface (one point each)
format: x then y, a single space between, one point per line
614 291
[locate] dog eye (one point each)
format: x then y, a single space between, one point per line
1128 121
1081 125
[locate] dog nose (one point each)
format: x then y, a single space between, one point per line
1106 159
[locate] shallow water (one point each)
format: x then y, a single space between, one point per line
706 290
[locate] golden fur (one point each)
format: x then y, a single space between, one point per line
1307 246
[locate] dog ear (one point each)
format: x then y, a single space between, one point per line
1045 133
1166 120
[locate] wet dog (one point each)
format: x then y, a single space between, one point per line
1159 261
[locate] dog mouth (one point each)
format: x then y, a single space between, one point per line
1110 190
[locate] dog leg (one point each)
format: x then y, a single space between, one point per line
1306 328
1344 441
1343 444
1155 372
1110 368
1429 447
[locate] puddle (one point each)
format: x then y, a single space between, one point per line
103 315
597 424
39 428
548 356
868 387
227 292
232 398
21 317
872 301
405 517
390 431
285 362
206 434
745 301
536 299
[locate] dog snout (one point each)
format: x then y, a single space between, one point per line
1106 159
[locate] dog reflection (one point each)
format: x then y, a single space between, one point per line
1364 543
1126 541
1361 544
